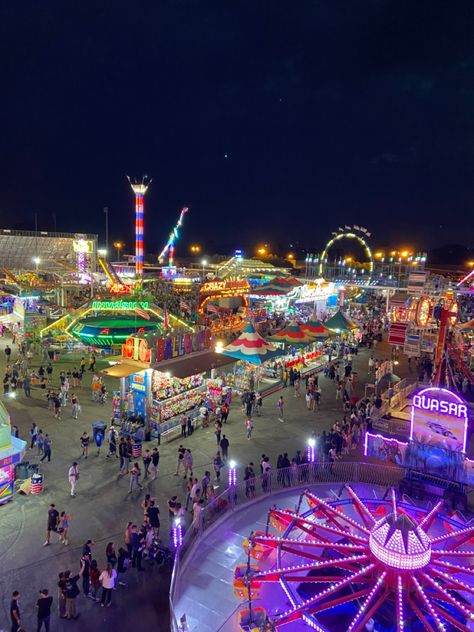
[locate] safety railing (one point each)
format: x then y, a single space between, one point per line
264 485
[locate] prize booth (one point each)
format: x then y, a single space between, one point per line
149 394
12 451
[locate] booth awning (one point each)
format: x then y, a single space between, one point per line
124 369
192 364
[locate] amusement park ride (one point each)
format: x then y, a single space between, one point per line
358 564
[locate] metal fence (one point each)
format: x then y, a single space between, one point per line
236 496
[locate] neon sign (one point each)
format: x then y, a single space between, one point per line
119 305
448 408
225 286
439 417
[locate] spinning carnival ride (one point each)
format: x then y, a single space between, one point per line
352 564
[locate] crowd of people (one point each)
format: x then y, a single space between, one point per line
95 581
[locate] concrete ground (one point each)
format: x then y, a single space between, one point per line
102 506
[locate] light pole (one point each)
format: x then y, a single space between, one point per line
106 211
36 261
119 245
204 264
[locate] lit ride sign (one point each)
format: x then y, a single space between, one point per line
439 417
119 305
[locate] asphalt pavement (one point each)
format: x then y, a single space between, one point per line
103 506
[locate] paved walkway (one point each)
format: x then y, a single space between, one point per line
102 506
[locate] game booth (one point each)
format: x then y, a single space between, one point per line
149 394
434 454
12 451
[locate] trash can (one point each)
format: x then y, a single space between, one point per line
98 429
36 483
136 450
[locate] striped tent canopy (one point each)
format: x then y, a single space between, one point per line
292 334
315 328
279 286
339 322
250 346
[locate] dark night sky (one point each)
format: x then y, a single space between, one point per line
329 112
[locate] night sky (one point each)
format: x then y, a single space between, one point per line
273 121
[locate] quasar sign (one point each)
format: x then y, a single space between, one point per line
439 417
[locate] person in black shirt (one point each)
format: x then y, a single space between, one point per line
15 611
52 525
153 514
155 459
44 609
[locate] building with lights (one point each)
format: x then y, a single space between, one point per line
47 252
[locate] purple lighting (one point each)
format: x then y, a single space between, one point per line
441 414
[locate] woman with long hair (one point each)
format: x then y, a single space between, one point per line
107 578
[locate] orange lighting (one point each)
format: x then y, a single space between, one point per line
470 264
195 248
378 255
404 253
262 251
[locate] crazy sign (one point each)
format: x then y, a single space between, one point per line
439 417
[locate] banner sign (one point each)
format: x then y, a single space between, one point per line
387 450
166 348
439 417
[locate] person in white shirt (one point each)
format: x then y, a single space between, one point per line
107 578
73 476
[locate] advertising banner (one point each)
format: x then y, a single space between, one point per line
387 450
439 418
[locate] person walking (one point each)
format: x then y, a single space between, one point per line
146 463
217 431
40 442
63 526
249 428
15 611
75 406
73 476
27 386
155 460
135 475
224 445
46 448
218 465
179 462
8 354
188 463
52 523
85 440
281 407
33 435
92 363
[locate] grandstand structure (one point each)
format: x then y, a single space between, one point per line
22 250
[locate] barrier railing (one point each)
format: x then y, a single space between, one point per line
245 492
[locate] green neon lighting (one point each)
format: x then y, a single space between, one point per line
120 305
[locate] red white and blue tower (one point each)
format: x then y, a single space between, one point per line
139 188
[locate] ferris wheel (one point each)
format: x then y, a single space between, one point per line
358 234
346 564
